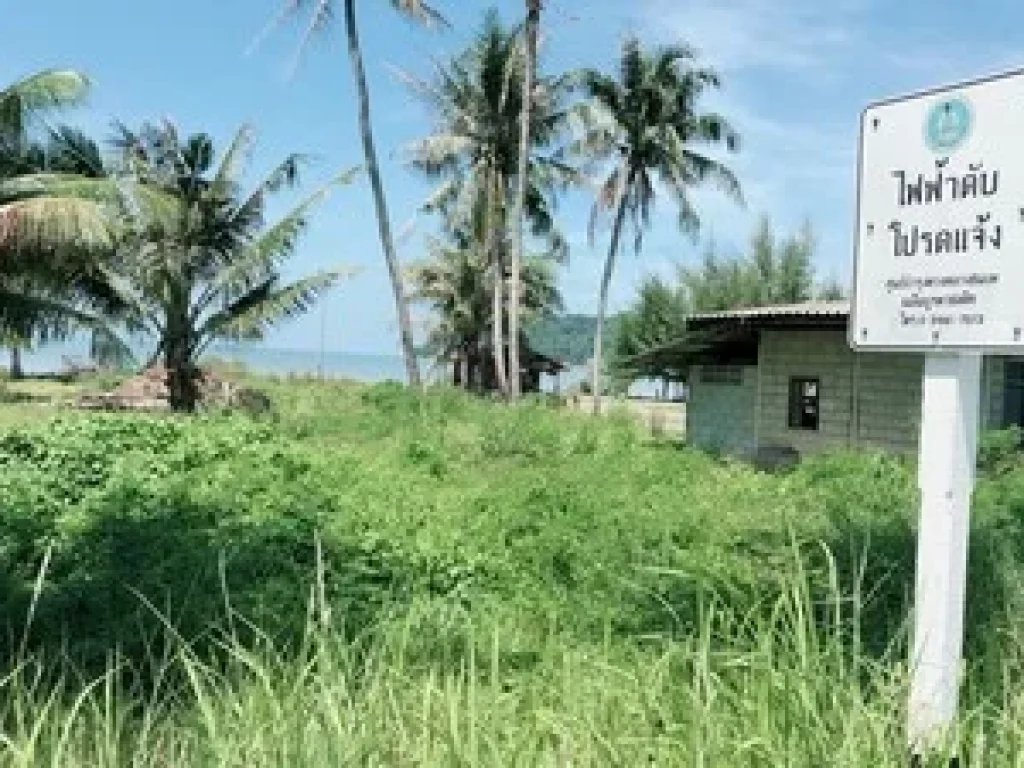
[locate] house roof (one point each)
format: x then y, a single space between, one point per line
733 334
808 309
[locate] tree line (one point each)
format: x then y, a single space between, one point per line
151 235
628 134
773 271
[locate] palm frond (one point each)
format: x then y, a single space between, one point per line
284 175
704 169
278 241
45 224
686 217
420 12
713 128
135 311
233 162
115 196
322 13
46 317
61 185
643 195
439 153
40 92
442 195
667 58
107 347
265 305
471 195
71 151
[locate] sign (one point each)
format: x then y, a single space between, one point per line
940 220
939 265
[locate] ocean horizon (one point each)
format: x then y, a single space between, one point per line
254 357
260 359
358 366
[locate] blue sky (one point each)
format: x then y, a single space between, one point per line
796 74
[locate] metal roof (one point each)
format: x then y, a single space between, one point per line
809 309
735 328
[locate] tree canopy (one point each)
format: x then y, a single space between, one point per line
646 128
200 261
775 270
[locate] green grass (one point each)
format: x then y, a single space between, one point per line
368 577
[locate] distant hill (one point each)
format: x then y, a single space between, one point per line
568 337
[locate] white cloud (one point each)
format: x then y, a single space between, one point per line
783 63
797 74
739 35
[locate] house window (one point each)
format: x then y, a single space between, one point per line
721 374
1013 393
804 402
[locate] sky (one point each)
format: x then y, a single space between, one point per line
795 76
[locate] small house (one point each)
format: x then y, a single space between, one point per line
764 380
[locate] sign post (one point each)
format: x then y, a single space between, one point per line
949 428
939 264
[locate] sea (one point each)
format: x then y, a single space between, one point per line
260 358
255 357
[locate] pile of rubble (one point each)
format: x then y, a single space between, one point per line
148 390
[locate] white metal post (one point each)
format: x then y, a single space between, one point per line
948 451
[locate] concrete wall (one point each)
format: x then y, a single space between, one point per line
821 354
720 416
889 401
867 400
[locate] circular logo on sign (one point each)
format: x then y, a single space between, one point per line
948 124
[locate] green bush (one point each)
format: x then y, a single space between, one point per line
456 526
999 450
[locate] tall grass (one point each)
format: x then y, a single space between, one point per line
771 689
376 578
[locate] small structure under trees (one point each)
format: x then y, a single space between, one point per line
473 367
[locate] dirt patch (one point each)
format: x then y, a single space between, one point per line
148 390
659 417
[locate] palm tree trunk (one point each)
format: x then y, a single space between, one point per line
181 378
494 252
515 266
182 391
602 303
498 327
17 370
383 222
464 368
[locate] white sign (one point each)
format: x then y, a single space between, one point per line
940 220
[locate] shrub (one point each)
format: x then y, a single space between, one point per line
1000 450
459 530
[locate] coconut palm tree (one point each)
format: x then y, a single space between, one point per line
42 220
200 262
530 34
321 14
53 220
473 151
456 284
646 128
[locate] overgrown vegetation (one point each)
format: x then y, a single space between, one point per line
368 576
